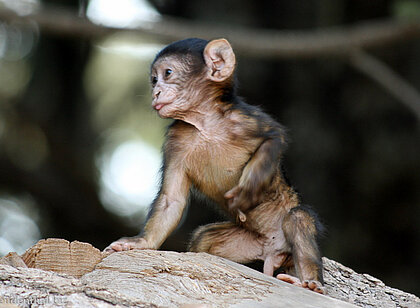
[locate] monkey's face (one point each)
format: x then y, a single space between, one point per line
174 86
185 83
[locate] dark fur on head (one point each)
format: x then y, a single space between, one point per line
192 48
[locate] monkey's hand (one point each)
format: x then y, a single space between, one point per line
128 243
241 198
256 176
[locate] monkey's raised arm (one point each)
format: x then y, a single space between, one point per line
258 172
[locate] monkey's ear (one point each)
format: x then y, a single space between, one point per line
220 60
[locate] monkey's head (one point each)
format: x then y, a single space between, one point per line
189 73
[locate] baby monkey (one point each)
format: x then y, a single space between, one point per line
230 152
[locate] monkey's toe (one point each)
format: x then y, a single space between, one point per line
289 279
314 285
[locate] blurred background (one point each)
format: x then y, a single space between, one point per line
80 144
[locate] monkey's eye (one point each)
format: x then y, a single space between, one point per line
154 80
168 71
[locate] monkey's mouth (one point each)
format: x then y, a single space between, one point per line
159 106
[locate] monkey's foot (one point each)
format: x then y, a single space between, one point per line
127 244
312 285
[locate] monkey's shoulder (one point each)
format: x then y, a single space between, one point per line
256 122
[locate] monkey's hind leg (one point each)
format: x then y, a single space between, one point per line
227 240
300 230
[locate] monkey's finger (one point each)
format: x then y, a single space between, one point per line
231 203
119 246
244 201
290 279
232 193
109 249
232 198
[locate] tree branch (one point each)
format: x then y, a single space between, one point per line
388 79
263 43
150 278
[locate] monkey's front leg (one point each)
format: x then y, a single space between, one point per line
165 217
255 177
165 214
